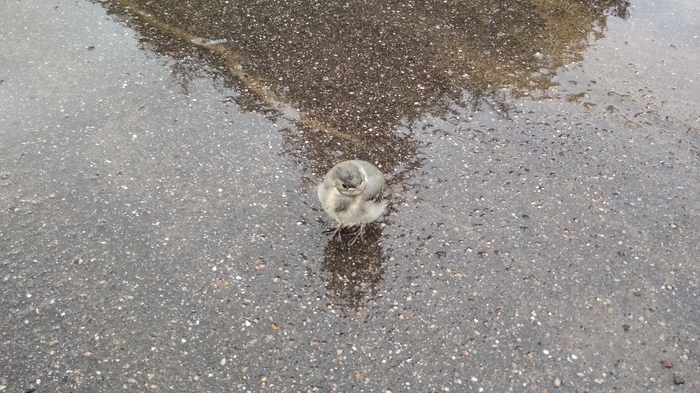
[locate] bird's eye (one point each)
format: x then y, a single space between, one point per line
345 185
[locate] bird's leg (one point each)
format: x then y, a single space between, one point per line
334 232
359 234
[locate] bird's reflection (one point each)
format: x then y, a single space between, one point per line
353 274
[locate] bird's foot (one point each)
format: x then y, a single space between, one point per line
359 234
334 232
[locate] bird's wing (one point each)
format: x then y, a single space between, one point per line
374 186
323 191
374 179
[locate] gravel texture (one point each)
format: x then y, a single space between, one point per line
159 228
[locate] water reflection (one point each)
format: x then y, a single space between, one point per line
351 73
353 274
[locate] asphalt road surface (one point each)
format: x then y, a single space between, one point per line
160 231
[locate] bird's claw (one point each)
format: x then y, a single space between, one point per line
360 234
334 232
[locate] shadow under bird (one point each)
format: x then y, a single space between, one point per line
351 194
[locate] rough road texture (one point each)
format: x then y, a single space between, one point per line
159 228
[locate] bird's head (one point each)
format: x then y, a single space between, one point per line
349 180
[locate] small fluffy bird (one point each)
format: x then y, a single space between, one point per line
351 195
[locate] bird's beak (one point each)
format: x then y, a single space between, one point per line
361 187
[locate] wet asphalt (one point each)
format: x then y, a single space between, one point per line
159 227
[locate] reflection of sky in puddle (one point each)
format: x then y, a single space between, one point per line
658 43
676 22
354 76
644 71
356 70
450 81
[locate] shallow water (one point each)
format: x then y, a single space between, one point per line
159 226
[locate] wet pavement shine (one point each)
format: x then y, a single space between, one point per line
160 230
